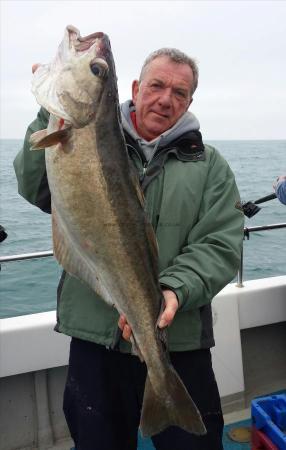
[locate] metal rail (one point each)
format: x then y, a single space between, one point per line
26 256
247 231
264 227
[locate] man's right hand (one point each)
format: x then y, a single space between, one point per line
35 67
126 329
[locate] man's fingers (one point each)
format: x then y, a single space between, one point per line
35 67
166 318
127 332
122 322
171 307
126 329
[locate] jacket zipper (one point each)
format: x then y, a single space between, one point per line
145 167
146 164
143 164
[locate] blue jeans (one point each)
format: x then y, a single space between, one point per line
104 392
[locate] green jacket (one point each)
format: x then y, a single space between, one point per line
193 204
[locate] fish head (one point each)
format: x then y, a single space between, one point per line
71 86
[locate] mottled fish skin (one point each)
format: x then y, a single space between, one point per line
100 231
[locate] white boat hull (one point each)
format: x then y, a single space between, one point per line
33 360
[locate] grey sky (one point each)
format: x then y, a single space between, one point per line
240 47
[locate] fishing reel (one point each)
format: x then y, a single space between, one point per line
251 208
3 234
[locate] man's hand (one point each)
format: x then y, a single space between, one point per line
35 67
281 178
171 307
166 318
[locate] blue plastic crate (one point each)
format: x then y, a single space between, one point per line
269 415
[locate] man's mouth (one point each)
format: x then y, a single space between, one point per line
164 116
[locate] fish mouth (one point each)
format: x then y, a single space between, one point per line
82 44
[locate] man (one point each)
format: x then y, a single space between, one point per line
280 188
193 204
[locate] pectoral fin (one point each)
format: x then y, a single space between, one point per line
41 139
37 137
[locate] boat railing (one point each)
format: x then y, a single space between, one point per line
247 232
24 256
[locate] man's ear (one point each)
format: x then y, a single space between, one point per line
135 89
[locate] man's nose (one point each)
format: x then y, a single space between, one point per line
165 98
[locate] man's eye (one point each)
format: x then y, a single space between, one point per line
156 86
181 94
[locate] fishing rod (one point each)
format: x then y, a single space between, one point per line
251 208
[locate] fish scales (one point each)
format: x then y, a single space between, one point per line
100 231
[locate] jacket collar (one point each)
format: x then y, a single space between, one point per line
187 148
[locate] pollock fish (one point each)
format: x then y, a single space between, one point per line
100 231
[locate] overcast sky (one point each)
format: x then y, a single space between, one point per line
240 47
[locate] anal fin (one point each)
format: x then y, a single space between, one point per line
135 348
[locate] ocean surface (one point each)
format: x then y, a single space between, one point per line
30 286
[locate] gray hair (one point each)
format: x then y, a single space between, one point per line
178 57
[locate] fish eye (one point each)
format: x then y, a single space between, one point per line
98 70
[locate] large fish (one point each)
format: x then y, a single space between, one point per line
100 231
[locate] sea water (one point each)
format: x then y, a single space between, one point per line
30 286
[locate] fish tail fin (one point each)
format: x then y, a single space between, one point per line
174 409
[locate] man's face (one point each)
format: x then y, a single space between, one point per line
162 97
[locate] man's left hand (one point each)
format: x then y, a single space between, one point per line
171 307
166 318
